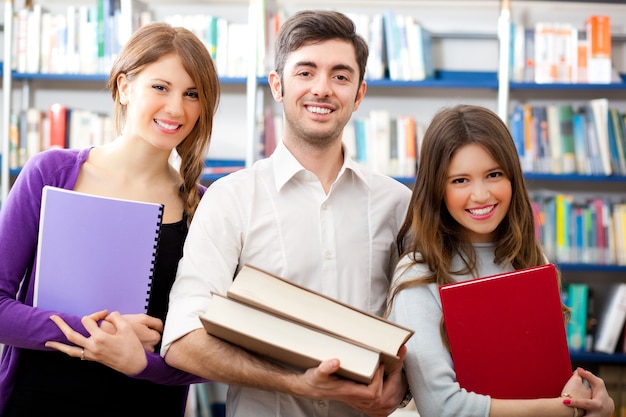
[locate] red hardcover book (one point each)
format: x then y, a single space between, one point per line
507 334
57 117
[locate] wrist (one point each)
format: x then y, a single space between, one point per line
567 400
408 395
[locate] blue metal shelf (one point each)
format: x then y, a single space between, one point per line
615 358
566 266
482 80
574 177
570 86
96 78
446 79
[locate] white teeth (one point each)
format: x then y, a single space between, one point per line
167 126
482 211
319 110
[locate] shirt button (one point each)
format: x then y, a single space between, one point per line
324 206
321 403
328 255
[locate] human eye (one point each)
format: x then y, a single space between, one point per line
495 174
192 94
458 181
159 87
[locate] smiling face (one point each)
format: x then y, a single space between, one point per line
162 103
320 90
478 193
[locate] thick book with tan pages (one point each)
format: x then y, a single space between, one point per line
507 334
307 320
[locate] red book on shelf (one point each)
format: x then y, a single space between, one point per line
57 117
507 334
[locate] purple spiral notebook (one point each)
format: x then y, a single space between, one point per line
95 253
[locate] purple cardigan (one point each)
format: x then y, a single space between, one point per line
21 325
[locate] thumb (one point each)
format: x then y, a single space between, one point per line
329 366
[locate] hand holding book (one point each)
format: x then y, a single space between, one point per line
276 318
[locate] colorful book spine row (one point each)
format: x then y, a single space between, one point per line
557 52
387 144
33 130
85 39
581 229
400 46
563 139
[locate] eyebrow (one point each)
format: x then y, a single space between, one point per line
193 87
338 67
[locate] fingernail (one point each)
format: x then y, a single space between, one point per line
567 401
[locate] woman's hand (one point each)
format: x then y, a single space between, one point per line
576 388
147 328
599 405
116 345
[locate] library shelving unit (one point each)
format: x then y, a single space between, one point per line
471 52
87 91
599 277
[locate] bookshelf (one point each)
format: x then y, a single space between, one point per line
87 91
467 56
598 276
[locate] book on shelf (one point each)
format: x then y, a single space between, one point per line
289 323
577 298
611 320
579 132
618 140
619 224
545 68
34 131
95 252
506 329
566 135
599 62
58 127
599 116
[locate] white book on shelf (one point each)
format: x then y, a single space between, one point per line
413 29
87 42
545 68
131 12
72 64
611 320
378 140
600 112
20 39
33 39
376 59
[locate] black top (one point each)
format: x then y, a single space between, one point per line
54 384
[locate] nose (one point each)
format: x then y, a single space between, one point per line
321 87
174 105
480 191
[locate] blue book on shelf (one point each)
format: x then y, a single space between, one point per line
577 296
95 253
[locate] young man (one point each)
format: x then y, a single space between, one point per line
306 213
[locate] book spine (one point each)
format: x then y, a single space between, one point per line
577 327
157 238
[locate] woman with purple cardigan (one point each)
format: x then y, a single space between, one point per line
165 90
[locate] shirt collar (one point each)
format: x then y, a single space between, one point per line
286 166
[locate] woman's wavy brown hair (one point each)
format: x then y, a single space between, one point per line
147 45
430 234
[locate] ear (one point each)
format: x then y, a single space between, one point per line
276 86
123 88
359 95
